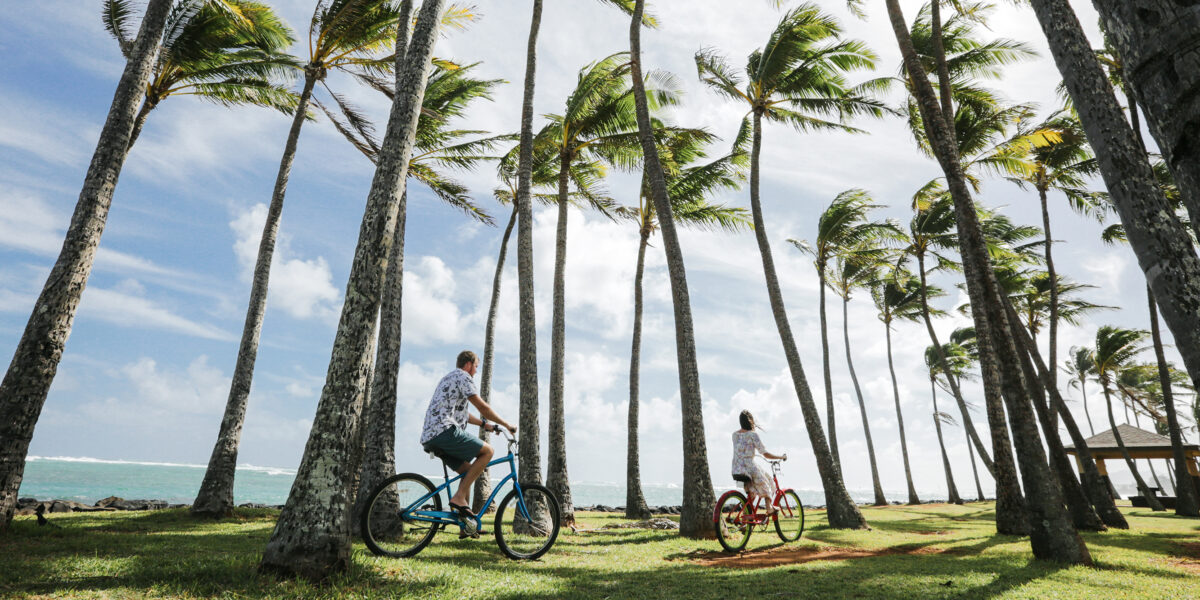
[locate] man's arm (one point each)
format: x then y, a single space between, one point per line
485 409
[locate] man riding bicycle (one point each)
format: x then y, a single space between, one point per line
446 420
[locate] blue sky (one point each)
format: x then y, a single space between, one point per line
146 370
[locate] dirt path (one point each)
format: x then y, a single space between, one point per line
775 557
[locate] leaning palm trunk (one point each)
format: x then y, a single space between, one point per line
140 122
1087 413
951 489
556 469
1157 43
312 536
1052 535
530 462
1137 476
843 513
1052 274
912 490
1137 422
695 517
974 469
828 380
1082 514
483 485
635 501
968 422
215 498
1186 502
1165 251
880 499
35 361
379 437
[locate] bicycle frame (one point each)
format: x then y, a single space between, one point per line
452 518
751 516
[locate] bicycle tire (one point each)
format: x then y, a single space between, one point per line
381 516
534 496
790 517
731 508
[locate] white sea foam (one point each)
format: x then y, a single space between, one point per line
105 461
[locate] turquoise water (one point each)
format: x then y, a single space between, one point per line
87 480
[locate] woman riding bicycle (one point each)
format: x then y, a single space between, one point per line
746 444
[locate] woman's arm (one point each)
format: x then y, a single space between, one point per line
775 456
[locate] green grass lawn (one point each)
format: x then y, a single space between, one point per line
934 551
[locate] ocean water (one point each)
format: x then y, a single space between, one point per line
87 480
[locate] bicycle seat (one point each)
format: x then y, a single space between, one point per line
742 478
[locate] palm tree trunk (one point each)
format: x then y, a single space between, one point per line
974 470
1153 473
1186 502
140 121
1082 514
530 460
1164 249
829 412
1052 535
945 91
880 500
1087 413
695 517
483 485
1156 40
311 537
968 422
556 468
635 502
379 436
1053 328
843 513
912 491
1137 476
35 361
951 489
215 498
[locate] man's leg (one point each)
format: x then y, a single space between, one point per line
461 497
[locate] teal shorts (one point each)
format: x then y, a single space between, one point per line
455 447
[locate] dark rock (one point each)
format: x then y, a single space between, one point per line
58 506
602 508
109 501
27 502
253 505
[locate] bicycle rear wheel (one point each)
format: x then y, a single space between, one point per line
385 530
789 521
732 527
527 527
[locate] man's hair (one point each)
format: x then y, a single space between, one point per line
465 357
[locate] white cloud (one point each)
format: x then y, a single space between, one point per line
301 288
131 310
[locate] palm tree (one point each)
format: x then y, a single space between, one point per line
311 537
1115 350
857 268
1142 32
1064 163
231 52
843 224
35 360
1080 368
963 352
438 147
1053 536
1159 239
346 35
1038 302
930 234
798 79
934 362
689 186
698 497
598 125
898 296
530 462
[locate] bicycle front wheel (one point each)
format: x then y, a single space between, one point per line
386 530
789 521
527 524
731 521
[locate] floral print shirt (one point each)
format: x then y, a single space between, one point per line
448 407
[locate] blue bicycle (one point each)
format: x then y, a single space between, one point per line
405 512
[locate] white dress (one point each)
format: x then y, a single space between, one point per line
746 444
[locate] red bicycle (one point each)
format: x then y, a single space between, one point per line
735 519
